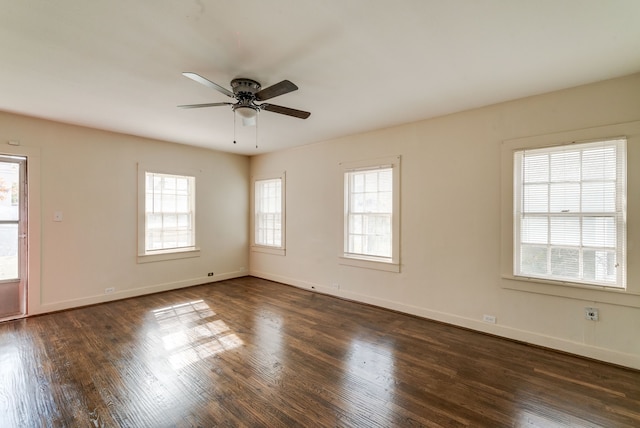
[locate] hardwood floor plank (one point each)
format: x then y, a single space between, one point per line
251 352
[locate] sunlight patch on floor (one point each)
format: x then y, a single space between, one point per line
188 343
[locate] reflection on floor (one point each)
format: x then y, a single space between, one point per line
250 352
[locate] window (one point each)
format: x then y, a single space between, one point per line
371 214
570 212
268 221
167 220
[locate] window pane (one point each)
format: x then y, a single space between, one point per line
184 221
357 203
157 182
157 203
369 216
565 231
386 180
564 197
8 251
182 204
565 166
536 198
169 203
600 265
599 232
355 244
599 164
168 183
148 203
534 230
385 202
357 183
169 219
371 203
9 191
599 196
574 187
355 223
371 182
565 262
268 216
536 168
182 185
533 260
154 221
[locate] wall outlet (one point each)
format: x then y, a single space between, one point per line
591 314
491 319
109 290
210 274
335 285
243 269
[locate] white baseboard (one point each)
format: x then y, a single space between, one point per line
131 292
576 348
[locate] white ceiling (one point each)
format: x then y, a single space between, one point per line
360 64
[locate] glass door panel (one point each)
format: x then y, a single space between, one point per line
9 252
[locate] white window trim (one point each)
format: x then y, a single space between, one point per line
160 255
626 297
618 215
368 262
282 249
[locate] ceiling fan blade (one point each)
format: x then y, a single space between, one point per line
205 105
281 88
285 110
206 82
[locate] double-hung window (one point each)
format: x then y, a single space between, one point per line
268 220
570 213
167 220
371 214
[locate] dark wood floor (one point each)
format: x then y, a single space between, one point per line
250 352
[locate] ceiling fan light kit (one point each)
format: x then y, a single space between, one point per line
246 92
246 112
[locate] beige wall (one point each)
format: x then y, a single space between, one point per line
451 223
91 176
450 219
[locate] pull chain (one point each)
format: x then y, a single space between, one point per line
257 121
234 127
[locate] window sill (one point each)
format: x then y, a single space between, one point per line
591 293
268 250
369 264
159 256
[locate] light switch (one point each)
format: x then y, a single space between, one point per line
57 216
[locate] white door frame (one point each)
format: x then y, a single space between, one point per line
13 291
34 293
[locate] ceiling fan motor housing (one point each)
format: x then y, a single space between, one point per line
245 90
245 87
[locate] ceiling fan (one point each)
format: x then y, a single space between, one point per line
246 92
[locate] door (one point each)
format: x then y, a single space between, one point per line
13 234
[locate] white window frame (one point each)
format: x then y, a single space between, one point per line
574 218
392 263
629 296
144 255
255 222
